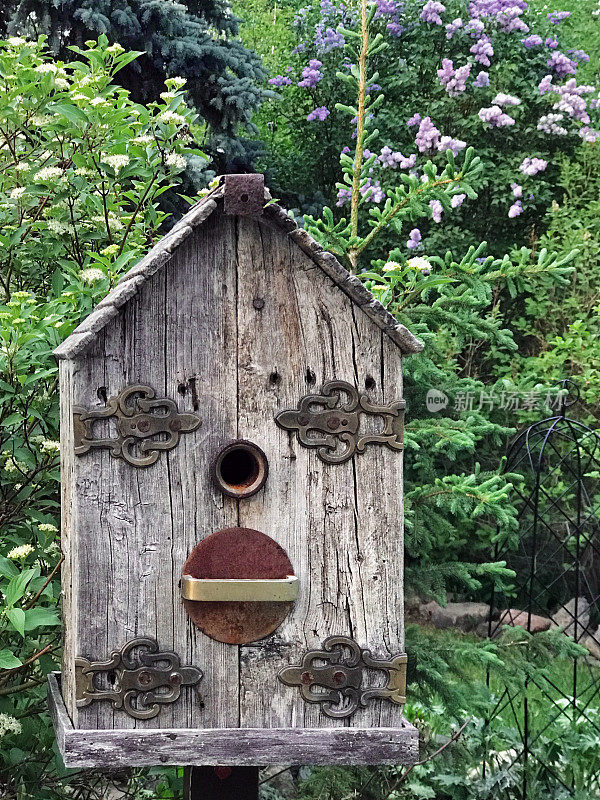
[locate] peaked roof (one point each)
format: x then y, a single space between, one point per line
85 334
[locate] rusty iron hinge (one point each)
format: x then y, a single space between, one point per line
145 426
244 195
343 676
331 423
132 680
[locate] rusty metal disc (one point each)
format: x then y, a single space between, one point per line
237 553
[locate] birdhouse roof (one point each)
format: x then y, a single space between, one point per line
129 284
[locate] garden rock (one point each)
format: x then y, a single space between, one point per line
514 617
592 644
563 619
464 616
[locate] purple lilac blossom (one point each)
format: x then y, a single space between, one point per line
557 16
436 210
502 100
452 27
280 80
453 80
372 191
517 190
431 12
343 196
457 200
428 136
495 117
391 9
549 124
311 75
475 28
562 64
579 55
533 41
414 239
320 113
395 159
551 43
414 120
327 39
300 48
589 134
510 20
545 85
515 209
482 80
531 166
448 143
482 50
569 97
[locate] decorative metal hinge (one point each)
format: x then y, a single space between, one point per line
132 680
330 424
145 426
342 675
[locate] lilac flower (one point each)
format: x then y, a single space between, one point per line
533 41
551 43
562 64
372 191
517 190
482 50
436 210
343 196
510 20
393 160
502 99
545 85
475 28
414 120
279 80
457 200
327 39
395 29
311 75
549 124
579 55
515 209
300 48
557 16
531 166
452 27
320 113
428 136
482 80
589 134
414 239
495 117
448 143
453 80
391 9
408 162
431 12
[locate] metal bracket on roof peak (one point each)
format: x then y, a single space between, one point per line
244 195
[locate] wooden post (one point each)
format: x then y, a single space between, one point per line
220 783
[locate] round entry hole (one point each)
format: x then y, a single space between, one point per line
240 469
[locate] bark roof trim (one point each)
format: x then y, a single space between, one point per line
85 334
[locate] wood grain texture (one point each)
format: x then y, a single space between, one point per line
114 749
237 326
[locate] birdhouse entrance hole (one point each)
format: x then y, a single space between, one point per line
240 469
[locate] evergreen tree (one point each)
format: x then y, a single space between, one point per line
194 39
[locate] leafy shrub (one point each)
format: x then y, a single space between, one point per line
493 75
81 170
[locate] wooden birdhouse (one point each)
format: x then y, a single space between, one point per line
231 448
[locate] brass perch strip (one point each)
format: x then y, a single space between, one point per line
275 590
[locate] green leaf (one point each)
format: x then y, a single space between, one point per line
8 659
72 112
39 618
16 616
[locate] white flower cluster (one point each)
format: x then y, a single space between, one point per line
22 551
549 124
171 117
47 174
145 139
175 83
50 447
117 161
9 724
47 527
91 275
175 160
17 192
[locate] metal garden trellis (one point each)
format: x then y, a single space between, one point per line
558 538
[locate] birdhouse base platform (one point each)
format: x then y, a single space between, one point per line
147 747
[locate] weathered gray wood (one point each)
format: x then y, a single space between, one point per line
341 524
114 749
